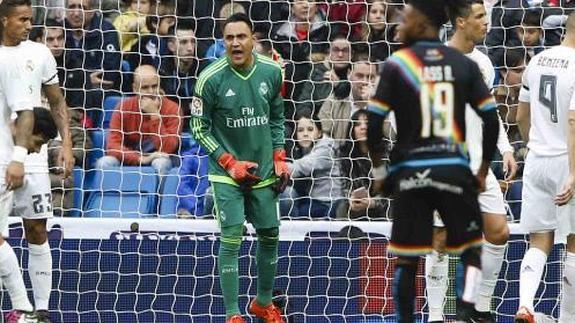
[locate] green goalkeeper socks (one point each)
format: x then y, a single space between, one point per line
230 243
266 257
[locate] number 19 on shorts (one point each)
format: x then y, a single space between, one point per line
437 101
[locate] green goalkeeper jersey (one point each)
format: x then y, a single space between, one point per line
240 112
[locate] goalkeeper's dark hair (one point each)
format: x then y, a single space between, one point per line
239 17
460 9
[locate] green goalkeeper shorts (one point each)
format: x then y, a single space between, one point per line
260 206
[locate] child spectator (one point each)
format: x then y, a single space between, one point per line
217 49
356 170
314 168
132 23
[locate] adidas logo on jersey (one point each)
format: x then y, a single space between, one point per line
230 93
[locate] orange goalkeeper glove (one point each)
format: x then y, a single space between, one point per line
281 170
243 172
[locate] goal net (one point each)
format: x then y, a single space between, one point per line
129 244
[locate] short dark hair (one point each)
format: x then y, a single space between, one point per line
44 124
7 6
239 17
514 56
461 9
434 10
531 18
182 24
39 30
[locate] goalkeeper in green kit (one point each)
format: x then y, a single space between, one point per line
238 117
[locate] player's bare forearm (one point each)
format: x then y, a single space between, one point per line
524 120
59 110
571 142
24 128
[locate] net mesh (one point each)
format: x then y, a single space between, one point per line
167 271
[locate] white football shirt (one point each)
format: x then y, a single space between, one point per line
548 87
35 67
474 124
14 97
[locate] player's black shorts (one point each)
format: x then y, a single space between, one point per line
418 192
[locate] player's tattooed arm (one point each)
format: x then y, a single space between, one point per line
61 116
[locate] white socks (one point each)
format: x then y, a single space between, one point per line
531 271
12 278
491 260
40 272
567 313
436 283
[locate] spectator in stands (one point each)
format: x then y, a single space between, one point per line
507 97
150 49
378 30
356 171
344 16
144 129
218 49
305 35
315 171
72 77
530 33
94 41
62 194
193 182
179 71
327 77
131 25
335 113
505 16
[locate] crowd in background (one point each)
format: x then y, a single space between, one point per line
149 53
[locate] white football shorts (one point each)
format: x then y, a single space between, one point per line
491 201
34 199
543 178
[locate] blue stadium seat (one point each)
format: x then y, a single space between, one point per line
98 147
110 103
169 194
128 192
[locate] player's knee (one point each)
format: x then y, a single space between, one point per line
500 236
268 236
36 232
231 239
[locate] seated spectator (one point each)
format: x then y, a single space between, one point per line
305 35
180 70
336 113
70 74
327 77
93 41
132 23
316 190
356 170
218 49
151 48
378 31
193 182
62 194
145 129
